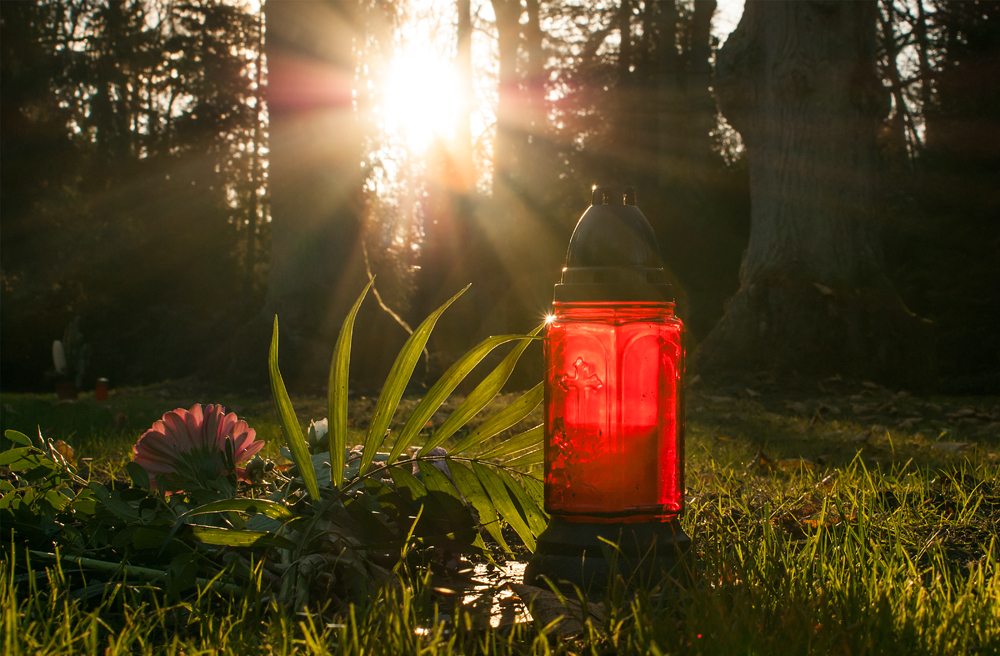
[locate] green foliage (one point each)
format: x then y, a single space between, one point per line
887 548
310 525
868 561
407 486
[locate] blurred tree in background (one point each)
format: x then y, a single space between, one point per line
146 145
133 183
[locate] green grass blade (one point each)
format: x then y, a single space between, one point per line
396 383
519 442
537 520
336 408
501 499
288 422
473 491
443 389
479 397
502 420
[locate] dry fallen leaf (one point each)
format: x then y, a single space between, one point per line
870 385
719 399
65 450
795 464
797 406
909 421
752 393
823 289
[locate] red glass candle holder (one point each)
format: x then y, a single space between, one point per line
614 412
614 404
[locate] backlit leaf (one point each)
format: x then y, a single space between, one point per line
502 420
337 391
438 394
479 397
521 441
263 506
224 537
289 423
532 456
395 383
501 499
473 491
537 520
17 437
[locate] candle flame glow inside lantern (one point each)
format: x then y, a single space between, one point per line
614 395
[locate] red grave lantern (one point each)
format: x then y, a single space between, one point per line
614 402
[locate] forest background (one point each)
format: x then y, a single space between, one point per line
176 173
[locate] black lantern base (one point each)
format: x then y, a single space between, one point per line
575 553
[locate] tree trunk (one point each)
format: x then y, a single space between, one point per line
315 184
797 79
463 65
508 17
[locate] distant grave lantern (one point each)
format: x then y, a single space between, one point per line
614 403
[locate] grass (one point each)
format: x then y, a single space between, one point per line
831 518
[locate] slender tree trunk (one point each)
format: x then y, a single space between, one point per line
797 79
463 63
508 17
667 93
315 184
534 79
699 103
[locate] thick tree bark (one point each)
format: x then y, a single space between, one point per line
315 184
797 79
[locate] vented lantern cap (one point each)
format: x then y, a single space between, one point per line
613 254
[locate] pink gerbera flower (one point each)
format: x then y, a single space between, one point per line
188 440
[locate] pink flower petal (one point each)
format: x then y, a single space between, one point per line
181 431
176 427
195 420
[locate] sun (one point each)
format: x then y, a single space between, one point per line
421 98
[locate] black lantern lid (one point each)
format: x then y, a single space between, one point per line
613 254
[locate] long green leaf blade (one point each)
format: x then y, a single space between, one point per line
502 420
497 491
533 456
536 518
336 408
535 489
404 480
479 397
288 422
263 506
396 382
224 537
470 488
443 389
519 442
